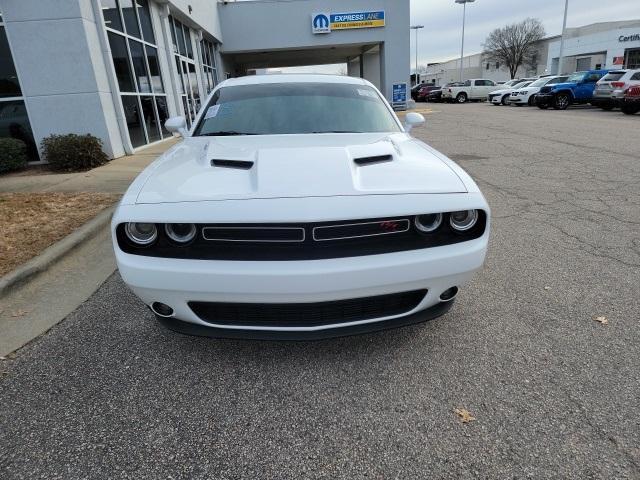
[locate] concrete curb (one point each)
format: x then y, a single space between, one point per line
54 252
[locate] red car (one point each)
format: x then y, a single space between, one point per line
631 103
424 91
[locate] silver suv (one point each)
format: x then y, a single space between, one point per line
609 92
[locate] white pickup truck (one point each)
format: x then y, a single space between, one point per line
474 89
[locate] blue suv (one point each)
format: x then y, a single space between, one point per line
577 89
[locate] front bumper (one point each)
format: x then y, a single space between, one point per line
545 99
176 282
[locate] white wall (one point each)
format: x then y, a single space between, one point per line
600 41
262 26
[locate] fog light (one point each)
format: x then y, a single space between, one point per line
141 233
463 220
428 223
180 232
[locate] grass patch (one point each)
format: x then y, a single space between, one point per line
30 222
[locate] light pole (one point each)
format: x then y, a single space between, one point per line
564 26
464 14
416 28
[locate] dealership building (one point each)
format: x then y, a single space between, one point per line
117 69
599 45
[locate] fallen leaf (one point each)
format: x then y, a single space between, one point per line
19 313
602 320
547 288
464 414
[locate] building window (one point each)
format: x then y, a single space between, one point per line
632 59
209 69
186 68
135 60
14 121
497 65
488 65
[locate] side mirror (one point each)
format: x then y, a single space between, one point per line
413 119
177 125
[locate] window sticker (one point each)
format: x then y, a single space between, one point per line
212 112
367 93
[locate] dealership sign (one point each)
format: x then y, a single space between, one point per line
629 38
326 22
399 96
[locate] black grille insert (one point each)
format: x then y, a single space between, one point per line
307 314
253 234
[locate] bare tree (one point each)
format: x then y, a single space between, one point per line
514 45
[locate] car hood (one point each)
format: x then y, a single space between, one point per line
501 91
557 86
289 166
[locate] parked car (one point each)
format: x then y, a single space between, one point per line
610 89
474 89
435 96
631 102
415 89
526 95
299 207
578 89
503 95
424 91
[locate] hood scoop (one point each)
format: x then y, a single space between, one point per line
363 161
237 164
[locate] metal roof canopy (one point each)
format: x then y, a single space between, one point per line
300 56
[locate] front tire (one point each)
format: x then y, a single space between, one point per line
606 106
462 98
630 109
505 100
532 100
562 101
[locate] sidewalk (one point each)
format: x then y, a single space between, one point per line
114 177
45 299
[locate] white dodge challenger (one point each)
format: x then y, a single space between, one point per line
299 207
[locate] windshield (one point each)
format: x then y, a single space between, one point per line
613 76
541 82
520 85
576 77
557 80
295 108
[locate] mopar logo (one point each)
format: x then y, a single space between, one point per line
320 23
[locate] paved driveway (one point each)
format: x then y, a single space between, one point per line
555 394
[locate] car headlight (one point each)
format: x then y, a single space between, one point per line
428 223
524 93
180 232
141 233
463 220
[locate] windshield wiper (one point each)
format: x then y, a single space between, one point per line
337 131
229 133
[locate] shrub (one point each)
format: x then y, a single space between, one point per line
71 153
13 154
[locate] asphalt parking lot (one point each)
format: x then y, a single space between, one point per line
108 393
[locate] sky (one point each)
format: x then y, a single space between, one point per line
442 19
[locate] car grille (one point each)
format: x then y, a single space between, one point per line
307 314
302 241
